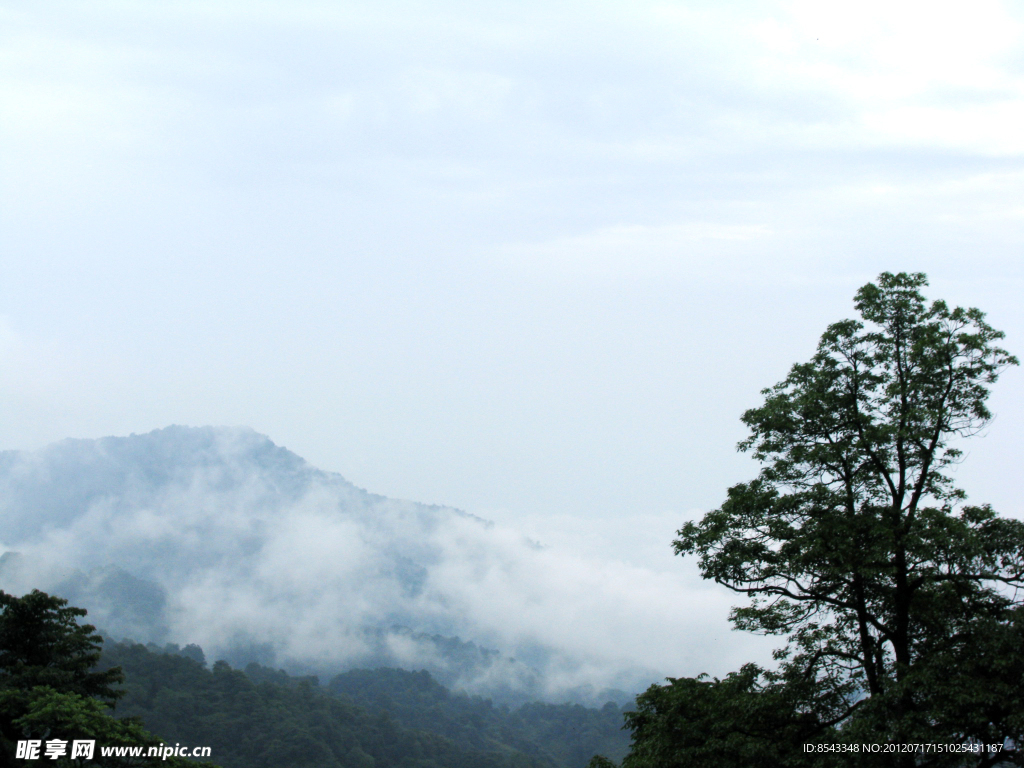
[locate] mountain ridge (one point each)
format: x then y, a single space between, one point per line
218 536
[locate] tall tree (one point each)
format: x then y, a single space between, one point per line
42 643
50 687
44 648
853 542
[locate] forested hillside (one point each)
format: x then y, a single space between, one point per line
566 734
382 718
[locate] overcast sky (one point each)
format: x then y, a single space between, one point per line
530 259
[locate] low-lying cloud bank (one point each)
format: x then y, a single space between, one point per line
217 536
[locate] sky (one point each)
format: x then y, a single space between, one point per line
532 260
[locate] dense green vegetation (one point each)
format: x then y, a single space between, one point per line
52 687
56 684
900 604
383 718
563 734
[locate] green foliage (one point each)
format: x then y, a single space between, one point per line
50 687
738 721
55 684
853 543
271 719
42 644
564 735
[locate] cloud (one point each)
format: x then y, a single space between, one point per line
255 549
909 74
697 248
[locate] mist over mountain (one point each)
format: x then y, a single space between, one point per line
219 537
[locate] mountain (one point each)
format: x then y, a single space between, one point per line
219 537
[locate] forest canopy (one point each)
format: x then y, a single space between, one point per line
55 684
